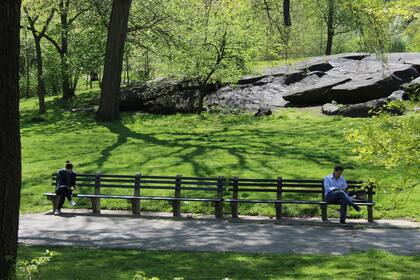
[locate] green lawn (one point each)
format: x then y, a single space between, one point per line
293 143
75 263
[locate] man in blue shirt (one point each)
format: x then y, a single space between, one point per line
335 187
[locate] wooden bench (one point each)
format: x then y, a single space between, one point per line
281 189
195 189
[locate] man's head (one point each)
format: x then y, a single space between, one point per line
338 171
69 166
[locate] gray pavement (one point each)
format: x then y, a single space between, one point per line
253 234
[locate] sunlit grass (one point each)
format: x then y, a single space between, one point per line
76 263
293 143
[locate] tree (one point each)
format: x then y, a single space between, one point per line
214 42
373 19
38 35
62 45
10 165
274 18
391 142
109 103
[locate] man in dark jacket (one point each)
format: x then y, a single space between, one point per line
66 182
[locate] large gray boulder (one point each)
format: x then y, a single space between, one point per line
163 96
364 80
346 78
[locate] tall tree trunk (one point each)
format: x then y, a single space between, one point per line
40 76
10 164
127 68
109 103
330 27
68 91
38 35
286 13
27 84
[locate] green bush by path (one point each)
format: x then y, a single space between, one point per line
293 143
77 263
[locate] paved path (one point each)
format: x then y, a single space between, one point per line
79 228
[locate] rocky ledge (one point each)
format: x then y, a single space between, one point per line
353 78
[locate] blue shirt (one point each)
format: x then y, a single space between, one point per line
331 183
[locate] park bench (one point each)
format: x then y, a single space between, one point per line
285 191
192 189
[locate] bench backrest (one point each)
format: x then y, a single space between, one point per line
281 186
138 182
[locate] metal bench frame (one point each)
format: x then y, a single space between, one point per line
138 182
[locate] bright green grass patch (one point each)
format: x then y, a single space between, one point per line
293 143
77 263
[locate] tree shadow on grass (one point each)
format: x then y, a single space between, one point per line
240 143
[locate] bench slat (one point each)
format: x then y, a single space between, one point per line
138 197
292 202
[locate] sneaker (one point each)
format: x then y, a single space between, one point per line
343 222
57 212
356 207
72 203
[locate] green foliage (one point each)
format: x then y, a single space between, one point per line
104 264
214 40
394 143
140 275
29 269
374 20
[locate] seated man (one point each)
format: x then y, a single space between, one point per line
335 187
66 182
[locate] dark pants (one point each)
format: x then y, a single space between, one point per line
62 193
342 198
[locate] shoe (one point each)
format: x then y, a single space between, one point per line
57 212
356 207
343 222
72 203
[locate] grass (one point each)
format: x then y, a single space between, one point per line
293 143
77 263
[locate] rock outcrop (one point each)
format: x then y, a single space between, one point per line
352 78
163 96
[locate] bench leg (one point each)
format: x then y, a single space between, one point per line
278 211
53 201
218 210
176 208
96 206
324 213
135 207
370 214
234 207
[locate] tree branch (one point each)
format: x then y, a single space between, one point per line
52 41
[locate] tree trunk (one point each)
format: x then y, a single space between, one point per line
127 69
27 84
68 91
10 165
40 76
202 93
286 13
109 103
330 27
146 66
